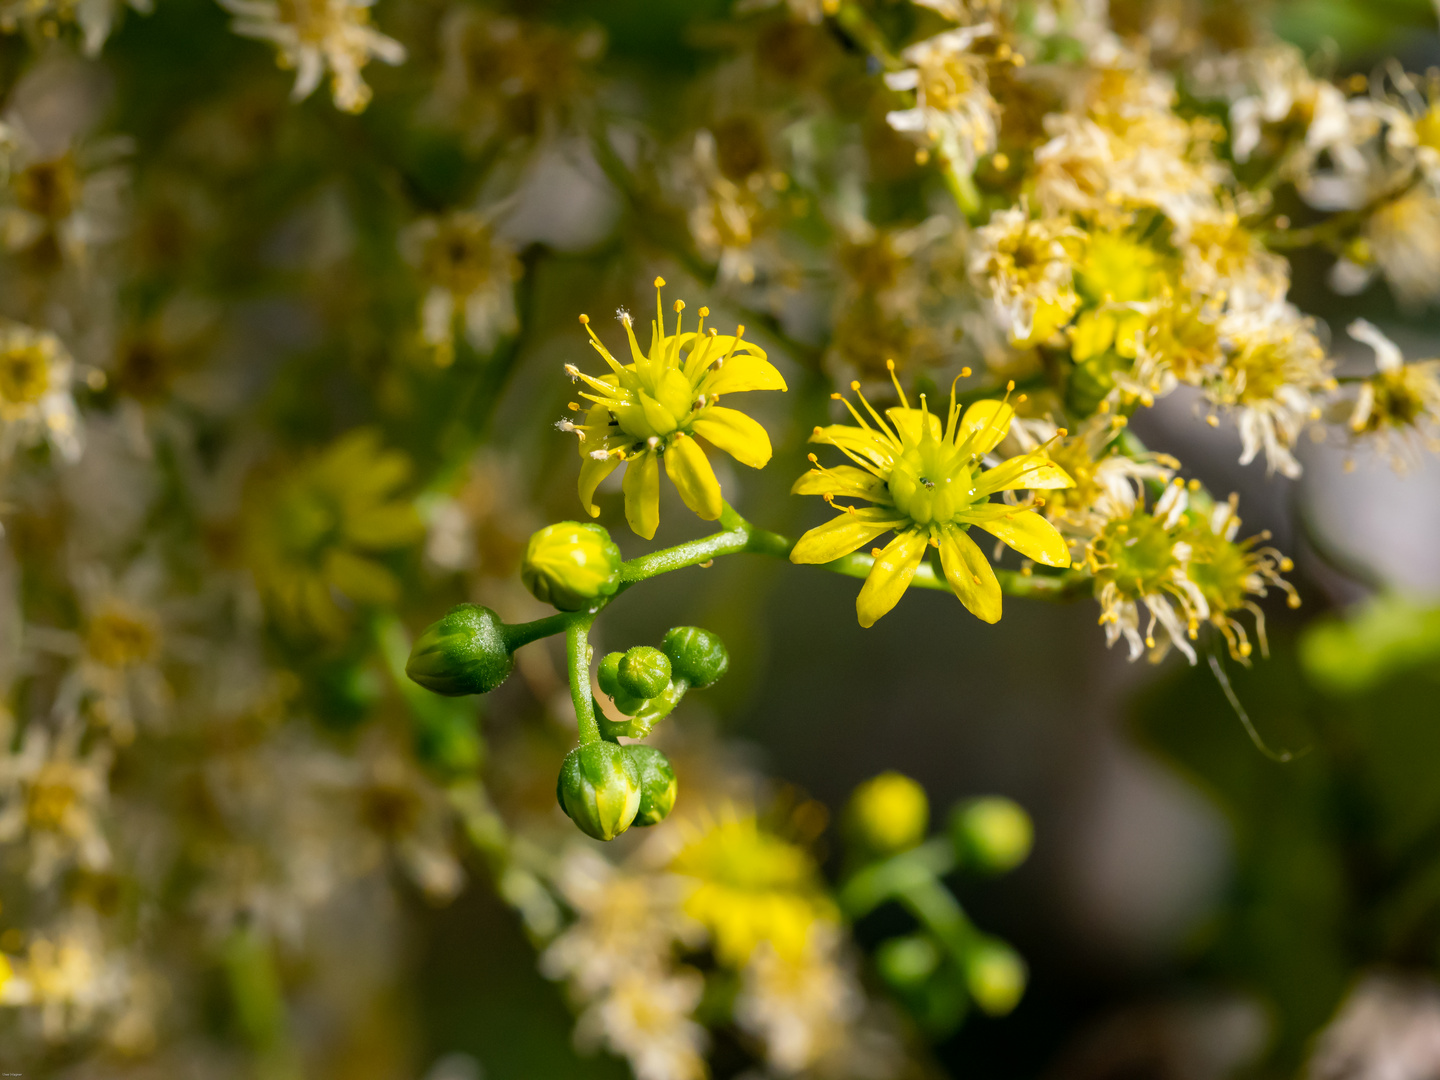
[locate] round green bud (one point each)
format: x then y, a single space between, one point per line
696 655
464 653
644 672
571 564
888 813
995 976
609 674
658 786
599 787
992 834
909 960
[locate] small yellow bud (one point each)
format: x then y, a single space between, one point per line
888 813
995 976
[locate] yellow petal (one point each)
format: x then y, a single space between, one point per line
389 525
891 575
1129 332
735 433
741 373
642 494
690 472
362 580
970 575
1031 473
591 473
862 442
709 350
987 422
1031 535
1092 335
842 480
908 421
841 535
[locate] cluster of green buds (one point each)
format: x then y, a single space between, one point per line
605 787
945 964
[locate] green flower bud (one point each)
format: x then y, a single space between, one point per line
464 653
888 813
599 787
657 784
908 961
571 564
995 976
993 835
696 655
609 674
644 672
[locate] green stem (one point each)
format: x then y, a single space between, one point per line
524 633
962 189
577 651
889 878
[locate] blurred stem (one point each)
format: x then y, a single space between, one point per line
855 22
259 1004
577 652
961 186
912 879
885 880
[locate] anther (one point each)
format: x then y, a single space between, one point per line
705 314
965 373
659 283
812 459
584 320
1010 386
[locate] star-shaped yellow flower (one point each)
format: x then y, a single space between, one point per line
651 410
929 486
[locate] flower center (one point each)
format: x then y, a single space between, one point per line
51 796
48 188
1137 554
929 486
658 407
24 375
116 639
1117 269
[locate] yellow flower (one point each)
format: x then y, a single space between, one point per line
929 486
750 886
1120 277
1400 399
309 533
652 409
1228 573
1142 558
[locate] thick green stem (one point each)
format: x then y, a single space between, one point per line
577 651
691 553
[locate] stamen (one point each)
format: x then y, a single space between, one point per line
890 367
